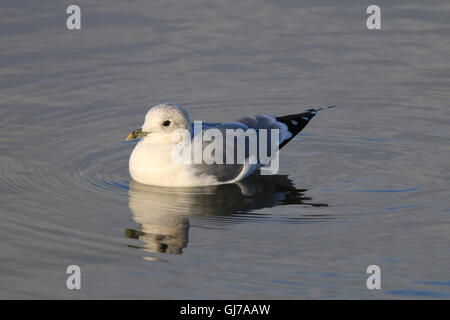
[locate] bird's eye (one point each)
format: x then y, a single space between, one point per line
166 123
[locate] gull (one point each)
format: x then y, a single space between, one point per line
152 160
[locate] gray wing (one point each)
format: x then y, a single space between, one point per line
224 171
221 170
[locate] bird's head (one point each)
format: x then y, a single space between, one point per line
161 122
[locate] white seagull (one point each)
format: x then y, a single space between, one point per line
151 161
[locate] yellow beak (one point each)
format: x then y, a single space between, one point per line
136 134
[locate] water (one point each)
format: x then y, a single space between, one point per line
365 183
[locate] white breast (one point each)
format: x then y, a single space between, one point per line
152 164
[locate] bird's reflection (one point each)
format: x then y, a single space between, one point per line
163 213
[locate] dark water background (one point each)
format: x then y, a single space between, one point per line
365 183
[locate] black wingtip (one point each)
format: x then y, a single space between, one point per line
296 122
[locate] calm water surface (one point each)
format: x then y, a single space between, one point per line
365 183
